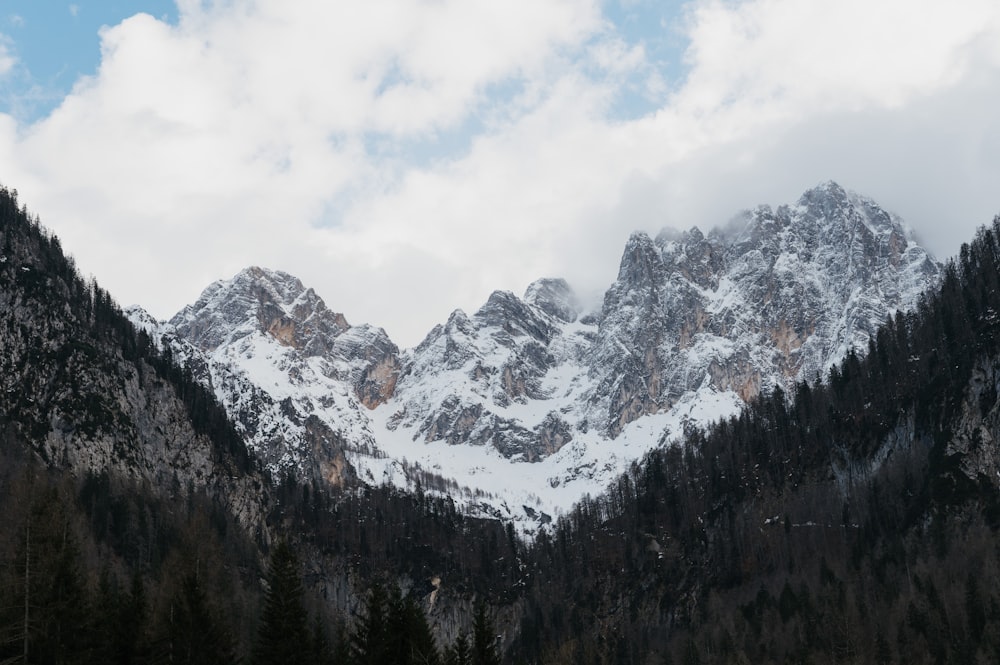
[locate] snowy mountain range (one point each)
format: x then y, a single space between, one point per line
521 408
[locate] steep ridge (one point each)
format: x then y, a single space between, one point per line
87 394
495 378
295 377
776 297
694 326
531 403
857 519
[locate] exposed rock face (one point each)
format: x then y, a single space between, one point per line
469 380
259 300
81 390
694 325
555 298
295 376
776 297
974 439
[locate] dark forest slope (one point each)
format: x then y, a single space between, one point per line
854 521
117 469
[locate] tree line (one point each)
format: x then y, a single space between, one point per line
198 604
836 523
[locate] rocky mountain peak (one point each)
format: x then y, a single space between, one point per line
293 374
835 207
554 297
259 299
695 324
512 316
777 296
642 262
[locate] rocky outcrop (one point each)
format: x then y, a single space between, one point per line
87 394
555 298
468 380
295 377
776 297
694 325
977 427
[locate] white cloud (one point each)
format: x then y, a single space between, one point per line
7 59
812 54
248 133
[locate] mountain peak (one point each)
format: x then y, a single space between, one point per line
830 201
555 297
641 261
829 188
695 324
264 300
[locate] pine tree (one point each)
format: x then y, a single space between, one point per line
320 651
412 638
53 619
106 613
369 642
283 635
131 643
120 623
459 653
194 634
484 638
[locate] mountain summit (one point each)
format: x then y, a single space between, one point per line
775 297
530 402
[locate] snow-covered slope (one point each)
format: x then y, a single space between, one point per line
775 297
296 378
529 403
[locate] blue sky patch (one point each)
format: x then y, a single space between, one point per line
55 43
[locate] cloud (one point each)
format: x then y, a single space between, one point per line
884 96
406 158
7 59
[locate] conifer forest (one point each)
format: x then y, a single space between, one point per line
852 520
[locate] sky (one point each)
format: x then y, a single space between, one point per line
406 158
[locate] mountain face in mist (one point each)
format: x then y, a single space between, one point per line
693 326
776 297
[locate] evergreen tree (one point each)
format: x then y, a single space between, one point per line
412 640
50 619
459 653
131 640
283 636
369 642
106 613
484 638
342 645
320 651
194 634
120 623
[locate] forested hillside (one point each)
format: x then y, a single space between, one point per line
136 521
852 521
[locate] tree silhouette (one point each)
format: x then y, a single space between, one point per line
194 633
484 637
283 635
